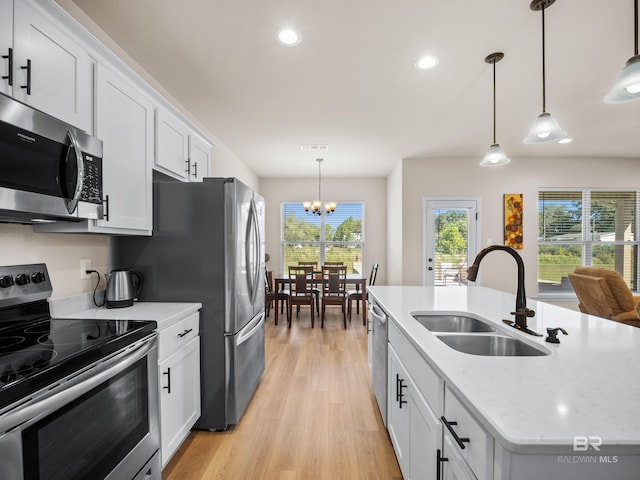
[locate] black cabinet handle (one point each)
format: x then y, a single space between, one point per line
168 374
399 393
439 460
188 169
195 169
185 332
106 210
459 440
28 85
9 75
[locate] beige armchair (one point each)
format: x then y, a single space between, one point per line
605 294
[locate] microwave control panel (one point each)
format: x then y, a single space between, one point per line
92 184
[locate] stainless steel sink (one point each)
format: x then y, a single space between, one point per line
452 323
491 345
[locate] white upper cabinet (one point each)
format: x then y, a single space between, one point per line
6 45
199 157
180 152
124 123
172 145
51 70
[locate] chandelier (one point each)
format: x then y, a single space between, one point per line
318 207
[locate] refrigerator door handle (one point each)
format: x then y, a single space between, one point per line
252 247
248 331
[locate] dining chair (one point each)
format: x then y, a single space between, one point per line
328 264
316 291
334 292
301 290
361 295
276 297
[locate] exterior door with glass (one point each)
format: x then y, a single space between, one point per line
450 240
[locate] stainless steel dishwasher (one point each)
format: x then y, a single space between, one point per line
378 354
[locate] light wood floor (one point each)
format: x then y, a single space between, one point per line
312 417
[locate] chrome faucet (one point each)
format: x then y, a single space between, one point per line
522 312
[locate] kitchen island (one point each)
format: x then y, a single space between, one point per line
569 413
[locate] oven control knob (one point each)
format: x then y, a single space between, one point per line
37 277
6 281
22 279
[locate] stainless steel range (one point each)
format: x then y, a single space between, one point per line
78 398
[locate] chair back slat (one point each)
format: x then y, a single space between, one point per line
300 280
334 280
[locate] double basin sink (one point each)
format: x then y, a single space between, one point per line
476 337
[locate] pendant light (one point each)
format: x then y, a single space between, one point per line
545 128
627 86
318 207
495 156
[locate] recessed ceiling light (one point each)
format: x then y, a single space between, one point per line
288 36
566 140
426 62
312 147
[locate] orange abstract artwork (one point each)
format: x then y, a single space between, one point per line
513 220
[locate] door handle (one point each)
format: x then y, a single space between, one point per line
9 76
439 460
27 67
168 374
459 440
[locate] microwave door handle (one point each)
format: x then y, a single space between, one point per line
73 144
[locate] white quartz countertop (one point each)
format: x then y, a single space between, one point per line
589 384
164 313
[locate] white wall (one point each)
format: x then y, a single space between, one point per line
61 252
464 177
395 220
371 191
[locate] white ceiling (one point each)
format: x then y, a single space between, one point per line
351 82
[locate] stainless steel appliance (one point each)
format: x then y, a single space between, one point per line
123 287
378 329
49 170
208 247
78 398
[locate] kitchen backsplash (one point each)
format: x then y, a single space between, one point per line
61 252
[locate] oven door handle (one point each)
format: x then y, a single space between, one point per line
74 388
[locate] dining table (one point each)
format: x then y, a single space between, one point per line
357 279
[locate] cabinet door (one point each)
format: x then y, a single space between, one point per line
424 438
124 123
179 380
57 70
398 411
6 43
172 145
455 467
199 158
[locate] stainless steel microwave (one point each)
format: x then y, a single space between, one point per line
49 170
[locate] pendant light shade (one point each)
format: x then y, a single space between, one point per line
545 129
495 156
627 86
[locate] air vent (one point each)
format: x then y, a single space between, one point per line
314 147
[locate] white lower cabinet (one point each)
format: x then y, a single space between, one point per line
179 383
453 466
414 428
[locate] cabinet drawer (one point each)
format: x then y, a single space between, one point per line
478 451
426 379
177 335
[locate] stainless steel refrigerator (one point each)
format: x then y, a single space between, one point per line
208 246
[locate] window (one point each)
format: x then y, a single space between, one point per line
335 238
586 227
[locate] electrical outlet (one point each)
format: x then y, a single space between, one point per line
85 264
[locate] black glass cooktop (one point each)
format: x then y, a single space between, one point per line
35 354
